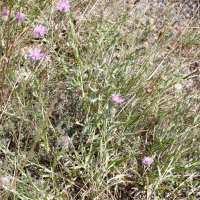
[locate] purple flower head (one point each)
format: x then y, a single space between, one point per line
19 16
6 12
151 41
64 141
4 180
39 30
63 5
158 26
35 53
147 160
104 13
115 97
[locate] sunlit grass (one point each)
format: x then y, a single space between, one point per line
64 133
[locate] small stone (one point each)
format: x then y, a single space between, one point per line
178 87
85 77
151 21
146 44
188 15
138 138
143 22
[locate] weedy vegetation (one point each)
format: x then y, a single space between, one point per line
97 101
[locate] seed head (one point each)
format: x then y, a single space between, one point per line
113 111
4 15
90 44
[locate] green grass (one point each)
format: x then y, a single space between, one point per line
67 94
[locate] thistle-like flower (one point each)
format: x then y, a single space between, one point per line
38 30
151 41
104 13
35 53
158 26
6 12
19 16
63 5
4 180
64 141
115 97
147 160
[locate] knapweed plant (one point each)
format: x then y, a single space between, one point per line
98 101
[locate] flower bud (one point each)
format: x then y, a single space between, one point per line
113 111
90 44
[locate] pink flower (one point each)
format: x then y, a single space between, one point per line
63 5
147 160
158 26
19 16
115 97
104 13
35 53
4 180
6 12
64 141
39 30
151 41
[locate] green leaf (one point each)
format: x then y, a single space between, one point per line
133 120
45 175
118 162
157 60
181 179
111 164
45 185
138 92
165 188
115 163
29 179
85 107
